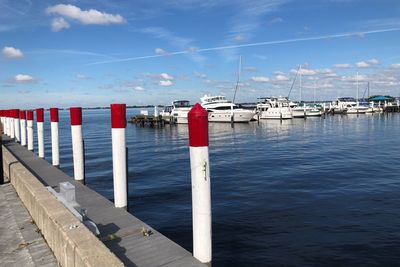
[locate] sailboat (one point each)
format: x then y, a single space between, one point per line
355 108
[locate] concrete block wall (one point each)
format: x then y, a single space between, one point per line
71 242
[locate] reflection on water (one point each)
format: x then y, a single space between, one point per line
314 192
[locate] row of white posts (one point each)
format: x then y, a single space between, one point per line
18 125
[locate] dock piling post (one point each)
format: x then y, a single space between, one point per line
16 126
11 123
29 116
40 131
22 115
1 155
201 186
77 143
6 122
55 154
118 125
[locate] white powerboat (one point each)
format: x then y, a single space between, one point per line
179 112
221 110
274 108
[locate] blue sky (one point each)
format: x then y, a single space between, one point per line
93 53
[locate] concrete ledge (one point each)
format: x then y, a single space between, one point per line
71 242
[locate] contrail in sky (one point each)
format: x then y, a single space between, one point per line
218 48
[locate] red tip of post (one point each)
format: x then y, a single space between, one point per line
75 115
16 113
22 114
54 114
198 126
118 115
29 115
39 115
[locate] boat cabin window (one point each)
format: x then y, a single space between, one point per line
182 104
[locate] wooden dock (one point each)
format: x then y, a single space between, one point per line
21 243
145 120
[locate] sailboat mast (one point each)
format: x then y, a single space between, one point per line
238 78
300 84
357 87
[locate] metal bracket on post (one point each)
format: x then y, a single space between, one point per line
67 197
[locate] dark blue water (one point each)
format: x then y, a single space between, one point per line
315 192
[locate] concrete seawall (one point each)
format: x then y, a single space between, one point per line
72 243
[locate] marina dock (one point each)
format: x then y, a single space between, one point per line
124 240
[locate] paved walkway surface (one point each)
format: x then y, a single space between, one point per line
21 243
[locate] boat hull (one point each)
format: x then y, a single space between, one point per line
226 116
277 114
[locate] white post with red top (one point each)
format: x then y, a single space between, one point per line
55 154
11 121
77 143
29 129
22 116
118 125
2 119
16 126
201 186
6 122
40 131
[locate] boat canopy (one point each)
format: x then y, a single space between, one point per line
381 98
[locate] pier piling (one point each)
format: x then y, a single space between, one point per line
77 143
201 186
55 154
16 126
118 125
40 131
29 129
11 123
22 115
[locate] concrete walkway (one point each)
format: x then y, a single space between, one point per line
21 243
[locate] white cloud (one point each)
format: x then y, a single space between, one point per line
395 66
138 88
87 17
165 83
373 61
354 78
12 52
281 77
260 79
307 72
159 51
342 66
362 64
58 24
238 38
200 75
276 20
23 78
166 76
82 77
367 63
250 69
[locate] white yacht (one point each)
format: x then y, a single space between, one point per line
179 112
314 111
166 113
221 110
350 106
274 108
299 110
